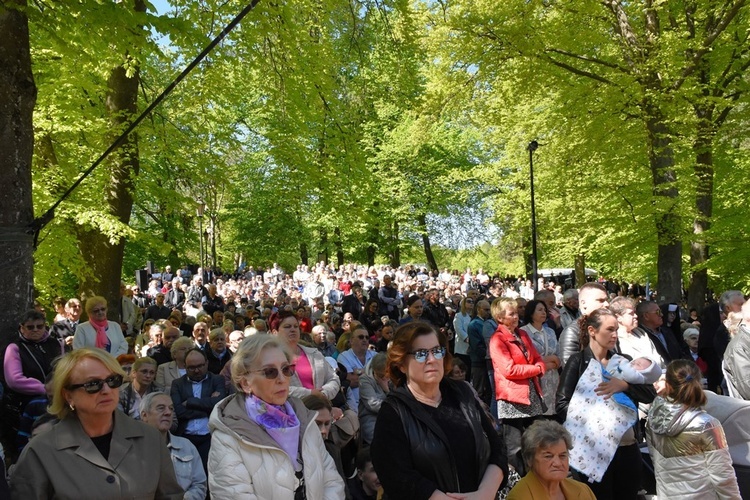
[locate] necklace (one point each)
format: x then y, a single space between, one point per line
425 400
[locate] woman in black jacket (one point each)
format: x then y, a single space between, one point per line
598 338
432 436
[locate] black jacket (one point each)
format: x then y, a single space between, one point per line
424 461
572 372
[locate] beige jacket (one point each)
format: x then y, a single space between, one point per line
64 463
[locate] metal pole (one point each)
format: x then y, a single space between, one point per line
200 237
533 145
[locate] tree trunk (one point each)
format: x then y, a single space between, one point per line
339 247
104 256
669 253
580 270
395 253
323 253
17 100
422 220
303 257
704 173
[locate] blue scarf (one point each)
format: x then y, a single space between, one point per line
280 422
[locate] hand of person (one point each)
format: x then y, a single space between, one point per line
554 314
611 387
661 386
353 379
337 413
215 394
439 495
318 392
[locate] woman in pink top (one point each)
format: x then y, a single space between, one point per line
313 373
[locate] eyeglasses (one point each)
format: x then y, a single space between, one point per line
272 373
361 337
420 355
35 327
469 301
656 311
94 386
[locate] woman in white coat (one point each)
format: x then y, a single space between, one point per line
265 444
98 331
687 445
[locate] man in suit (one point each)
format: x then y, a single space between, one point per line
175 297
194 396
165 334
158 310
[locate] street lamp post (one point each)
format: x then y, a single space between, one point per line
199 212
533 146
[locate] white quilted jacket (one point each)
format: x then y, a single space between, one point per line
246 464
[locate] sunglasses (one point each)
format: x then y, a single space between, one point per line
420 355
272 373
34 327
94 386
361 337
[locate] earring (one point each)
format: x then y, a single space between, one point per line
72 408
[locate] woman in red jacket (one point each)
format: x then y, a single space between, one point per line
518 369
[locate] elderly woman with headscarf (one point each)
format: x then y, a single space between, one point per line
98 331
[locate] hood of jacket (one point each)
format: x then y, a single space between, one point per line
670 418
231 417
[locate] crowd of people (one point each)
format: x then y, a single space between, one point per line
369 383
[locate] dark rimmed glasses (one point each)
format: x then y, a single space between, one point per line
94 386
272 373
420 355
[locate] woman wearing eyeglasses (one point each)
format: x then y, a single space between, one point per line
95 451
432 438
265 444
98 332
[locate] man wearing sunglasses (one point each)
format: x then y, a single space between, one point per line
194 396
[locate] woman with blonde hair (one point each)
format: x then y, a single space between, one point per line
265 444
98 331
95 451
687 445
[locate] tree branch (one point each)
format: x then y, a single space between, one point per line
589 59
579 72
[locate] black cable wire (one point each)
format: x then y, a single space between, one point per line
38 224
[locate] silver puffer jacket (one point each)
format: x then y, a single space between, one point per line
690 454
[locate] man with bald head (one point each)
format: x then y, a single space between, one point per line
591 296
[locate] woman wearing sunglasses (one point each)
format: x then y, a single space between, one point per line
98 331
265 444
95 451
432 438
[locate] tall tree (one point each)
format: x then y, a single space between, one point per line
17 99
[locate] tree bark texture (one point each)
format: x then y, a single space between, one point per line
429 256
667 220
395 250
17 99
704 173
104 256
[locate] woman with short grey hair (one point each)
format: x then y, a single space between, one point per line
544 448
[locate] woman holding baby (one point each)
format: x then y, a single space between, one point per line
599 409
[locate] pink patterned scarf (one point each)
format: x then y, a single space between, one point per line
101 332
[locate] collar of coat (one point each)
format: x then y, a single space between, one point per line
231 413
69 433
